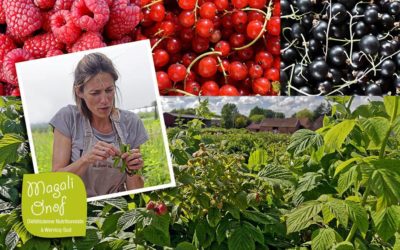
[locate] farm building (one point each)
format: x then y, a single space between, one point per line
285 125
170 119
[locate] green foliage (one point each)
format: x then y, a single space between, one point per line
304 113
257 118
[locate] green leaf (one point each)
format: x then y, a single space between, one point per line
241 239
9 146
343 246
324 239
180 156
158 231
336 136
302 216
89 241
255 232
347 179
11 240
257 158
37 244
213 216
390 105
303 140
117 202
338 209
343 166
397 242
276 175
185 246
262 218
386 185
110 223
376 128
130 218
222 229
358 215
387 221
111 244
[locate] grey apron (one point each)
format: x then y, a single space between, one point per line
101 177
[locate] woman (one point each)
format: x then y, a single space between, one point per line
88 136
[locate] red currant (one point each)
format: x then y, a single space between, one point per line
264 59
192 87
239 4
228 90
272 74
207 66
186 18
177 72
173 45
204 27
262 86
254 28
237 70
208 10
160 57
157 12
257 4
221 4
255 71
187 4
274 26
209 88
223 47
163 81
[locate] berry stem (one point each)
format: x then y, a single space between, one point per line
157 43
179 91
223 69
152 3
197 59
264 28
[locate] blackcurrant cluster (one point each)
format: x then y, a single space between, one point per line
340 47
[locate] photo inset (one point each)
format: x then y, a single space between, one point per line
97 114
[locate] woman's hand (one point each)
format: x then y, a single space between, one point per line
100 152
133 159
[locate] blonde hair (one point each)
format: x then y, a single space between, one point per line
88 67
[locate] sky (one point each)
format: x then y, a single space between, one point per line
46 84
286 105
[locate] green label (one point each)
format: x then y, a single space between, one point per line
54 205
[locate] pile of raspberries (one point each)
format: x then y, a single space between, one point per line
31 29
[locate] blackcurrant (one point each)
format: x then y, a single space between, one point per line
388 68
319 70
369 44
339 13
371 16
337 55
319 31
373 89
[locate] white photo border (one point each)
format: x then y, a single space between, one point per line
146 44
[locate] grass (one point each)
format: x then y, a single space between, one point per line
155 168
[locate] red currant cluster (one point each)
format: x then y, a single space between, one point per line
214 47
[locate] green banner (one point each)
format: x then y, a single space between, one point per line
54 205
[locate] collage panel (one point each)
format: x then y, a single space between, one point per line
340 47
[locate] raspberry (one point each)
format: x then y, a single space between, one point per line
44 4
6 45
125 39
88 40
39 45
46 15
2 14
124 17
63 28
8 89
54 52
22 17
63 4
12 57
90 15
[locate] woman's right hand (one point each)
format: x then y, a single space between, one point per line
100 152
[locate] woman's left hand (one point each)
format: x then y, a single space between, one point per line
133 159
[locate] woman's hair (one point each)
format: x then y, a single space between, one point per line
88 67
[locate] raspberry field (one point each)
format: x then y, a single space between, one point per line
334 188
